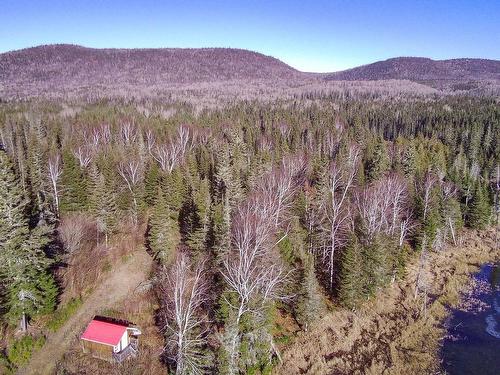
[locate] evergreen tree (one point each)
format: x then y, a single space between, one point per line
197 238
220 236
480 210
163 231
35 162
378 162
408 160
25 278
175 189
152 180
351 279
103 204
74 185
310 304
228 181
375 266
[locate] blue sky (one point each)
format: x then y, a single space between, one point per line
309 35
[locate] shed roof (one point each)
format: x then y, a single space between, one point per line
104 332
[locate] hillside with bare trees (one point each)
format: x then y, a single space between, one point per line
454 73
222 74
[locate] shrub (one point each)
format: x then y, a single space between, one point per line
20 351
62 314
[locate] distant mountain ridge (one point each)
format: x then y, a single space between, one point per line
170 64
60 69
421 69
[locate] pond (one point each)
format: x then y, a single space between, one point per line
472 343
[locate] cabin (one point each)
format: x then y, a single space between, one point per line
110 340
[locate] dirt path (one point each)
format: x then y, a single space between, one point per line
121 282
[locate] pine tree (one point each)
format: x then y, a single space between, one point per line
74 185
175 190
376 266
480 211
103 204
310 304
220 229
35 162
163 231
152 180
197 238
408 160
351 279
29 287
378 163
228 182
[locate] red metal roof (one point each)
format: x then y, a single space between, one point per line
104 332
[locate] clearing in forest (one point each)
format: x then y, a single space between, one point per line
122 280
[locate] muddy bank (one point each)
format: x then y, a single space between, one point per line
396 332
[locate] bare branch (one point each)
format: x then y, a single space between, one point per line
183 294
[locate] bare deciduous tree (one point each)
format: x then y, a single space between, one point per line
167 155
184 138
250 272
71 233
150 141
335 208
128 133
251 269
131 169
105 135
170 153
183 294
54 172
83 154
426 191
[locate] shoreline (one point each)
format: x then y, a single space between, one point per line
394 333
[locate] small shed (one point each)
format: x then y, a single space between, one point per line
110 340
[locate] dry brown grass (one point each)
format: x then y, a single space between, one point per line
392 334
87 267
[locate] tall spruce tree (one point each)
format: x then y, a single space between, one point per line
200 216
103 204
378 162
28 286
220 233
152 180
351 285
74 184
163 231
480 210
309 304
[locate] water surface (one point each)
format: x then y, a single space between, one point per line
472 345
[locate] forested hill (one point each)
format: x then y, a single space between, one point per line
69 70
70 66
170 65
422 69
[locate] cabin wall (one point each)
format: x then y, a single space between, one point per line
124 340
97 350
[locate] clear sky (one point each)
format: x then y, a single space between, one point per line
309 35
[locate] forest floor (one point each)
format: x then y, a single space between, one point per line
120 283
394 333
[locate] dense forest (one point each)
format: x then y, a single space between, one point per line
251 212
